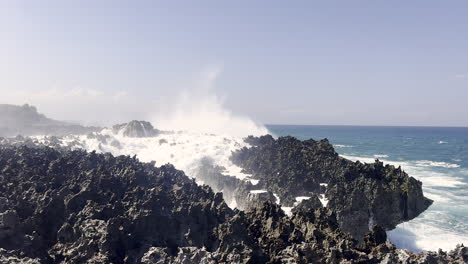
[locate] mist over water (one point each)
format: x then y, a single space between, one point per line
199 109
205 113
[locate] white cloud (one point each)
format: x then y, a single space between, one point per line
461 76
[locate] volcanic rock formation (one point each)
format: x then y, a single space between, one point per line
135 129
362 195
60 206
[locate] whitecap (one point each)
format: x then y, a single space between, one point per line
428 163
258 191
421 163
342 146
443 142
380 156
302 198
441 180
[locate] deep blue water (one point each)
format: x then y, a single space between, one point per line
437 156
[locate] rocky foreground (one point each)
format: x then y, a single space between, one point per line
61 206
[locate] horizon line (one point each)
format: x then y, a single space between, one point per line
425 126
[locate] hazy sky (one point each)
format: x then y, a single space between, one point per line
285 62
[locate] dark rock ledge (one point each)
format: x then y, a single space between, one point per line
59 206
361 195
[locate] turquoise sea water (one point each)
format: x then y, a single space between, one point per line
437 156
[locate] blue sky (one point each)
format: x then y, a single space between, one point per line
283 62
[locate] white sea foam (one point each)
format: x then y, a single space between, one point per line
380 156
183 149
258 191
302 198
437 197
299 199
277 198
287 210
323 200
442 180
254 182
418 235
428 163
443 142
342 146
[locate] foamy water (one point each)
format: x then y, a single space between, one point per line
437 227
182 149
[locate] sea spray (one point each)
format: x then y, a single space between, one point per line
200 109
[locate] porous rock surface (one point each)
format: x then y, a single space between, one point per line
59 206
362 195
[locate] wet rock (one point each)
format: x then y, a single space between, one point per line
136 129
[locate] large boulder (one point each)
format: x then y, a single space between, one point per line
135 129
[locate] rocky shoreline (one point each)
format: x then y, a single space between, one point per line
362 195
62 206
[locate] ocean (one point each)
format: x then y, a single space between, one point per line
437 156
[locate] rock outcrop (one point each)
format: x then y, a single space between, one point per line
136 129
76 207
362 195
27 121
60 206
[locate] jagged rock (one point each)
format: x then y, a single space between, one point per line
308 205
75 207
12 257
136 129
235 191
185 255
61 206
362 195
258 197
